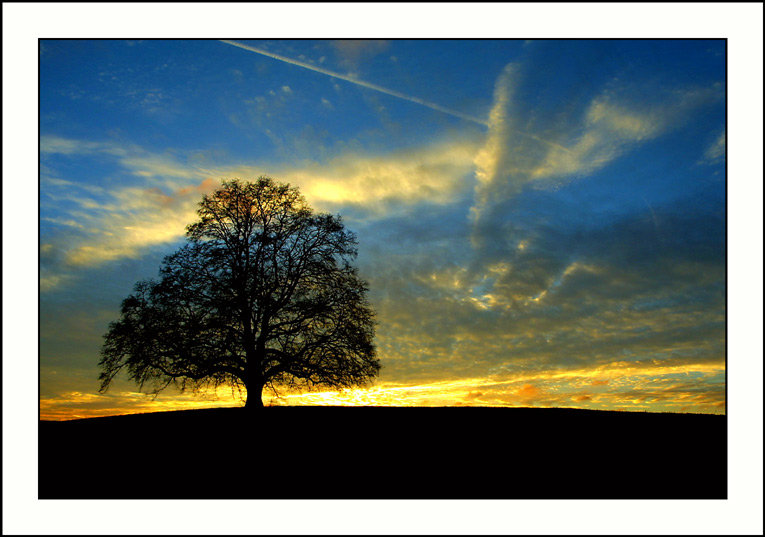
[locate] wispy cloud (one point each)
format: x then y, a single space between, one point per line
130 221
716 151
133 158
614 123
154 199
95 225
51 144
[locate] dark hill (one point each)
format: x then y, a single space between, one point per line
385 453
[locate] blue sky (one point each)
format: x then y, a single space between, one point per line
541 222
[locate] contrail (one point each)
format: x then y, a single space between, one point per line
358 82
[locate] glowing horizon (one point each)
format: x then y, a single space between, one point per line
588 389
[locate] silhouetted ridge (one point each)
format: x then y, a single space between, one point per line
385 452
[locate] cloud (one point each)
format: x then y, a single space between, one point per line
491 159
133 219
570 145
351 52
377 186
632 389
613 300
528 391
433 174
159 166
545 288
135 159
623 386
613 126
92 225
50 144
88 225
48 282
715 153
77 405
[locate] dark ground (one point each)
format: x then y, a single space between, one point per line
385 453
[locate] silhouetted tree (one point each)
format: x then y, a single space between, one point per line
263 294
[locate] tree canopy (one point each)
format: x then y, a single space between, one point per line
263 294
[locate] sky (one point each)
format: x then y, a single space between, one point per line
541 222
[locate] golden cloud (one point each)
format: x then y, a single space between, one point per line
137 218
433 174
527 391
378 184
123 222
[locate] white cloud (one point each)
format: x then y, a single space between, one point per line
613 124
134 158
160 166
491 160
716 152
67 146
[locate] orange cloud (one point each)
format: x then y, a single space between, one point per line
528 391
205 187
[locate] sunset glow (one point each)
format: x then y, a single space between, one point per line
621 386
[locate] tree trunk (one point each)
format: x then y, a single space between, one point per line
254 401
254 395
